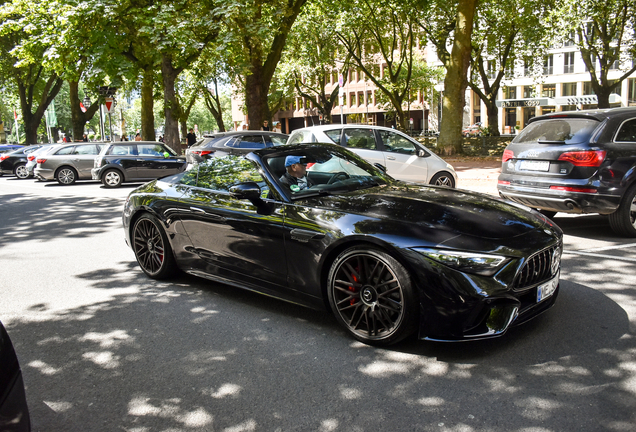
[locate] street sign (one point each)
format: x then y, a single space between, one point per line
108 102
340 80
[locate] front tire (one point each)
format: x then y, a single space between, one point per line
152 248
66 176
623 220
372 296
21 171
443 179
112 178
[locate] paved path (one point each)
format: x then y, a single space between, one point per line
477 174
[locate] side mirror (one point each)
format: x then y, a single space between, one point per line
246 190
422 153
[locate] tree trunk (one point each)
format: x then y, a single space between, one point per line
256 98
492 112
456 80
147 106
78 117
32 120
171 105
213 103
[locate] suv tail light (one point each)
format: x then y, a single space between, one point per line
31 157
3 157
41 161
573 189
202 152
507 155
589 158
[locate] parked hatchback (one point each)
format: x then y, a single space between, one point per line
68 163
576 162
136 161
234 142
404 158
14 162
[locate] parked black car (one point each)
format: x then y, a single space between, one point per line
14 162
14 413
576 162
4 148
388 258
129 161
234 142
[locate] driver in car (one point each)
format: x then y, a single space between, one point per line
295 176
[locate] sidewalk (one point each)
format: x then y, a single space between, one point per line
477 174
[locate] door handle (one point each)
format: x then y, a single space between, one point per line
140 160
211 216
390 158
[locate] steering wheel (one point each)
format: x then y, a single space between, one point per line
338 176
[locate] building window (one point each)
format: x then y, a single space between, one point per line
614 65
491 65
570 40
548 65
568 89
510 92
568 62
360 98
528 92
352 99
587 89
548 90
369 97
631 95
527 68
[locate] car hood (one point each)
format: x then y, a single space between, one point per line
451 211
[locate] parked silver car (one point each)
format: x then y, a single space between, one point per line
68 163
32 157
404 158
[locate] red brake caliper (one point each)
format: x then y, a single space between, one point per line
352 289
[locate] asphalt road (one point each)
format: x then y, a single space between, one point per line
104 348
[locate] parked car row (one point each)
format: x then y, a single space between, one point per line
111 163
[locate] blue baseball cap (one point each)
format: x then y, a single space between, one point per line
291 160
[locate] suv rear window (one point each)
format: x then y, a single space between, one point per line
558 130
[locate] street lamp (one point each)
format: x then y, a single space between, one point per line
87 102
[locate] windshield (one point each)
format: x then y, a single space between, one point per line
560 130
323 170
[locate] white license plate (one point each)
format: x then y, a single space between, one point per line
547 289
526 165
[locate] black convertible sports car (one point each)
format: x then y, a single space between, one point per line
14 413
388 258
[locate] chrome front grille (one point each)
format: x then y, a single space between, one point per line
538 268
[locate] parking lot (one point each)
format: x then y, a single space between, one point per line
104 348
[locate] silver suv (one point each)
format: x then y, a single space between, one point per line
69 163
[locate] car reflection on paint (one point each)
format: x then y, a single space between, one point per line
387 258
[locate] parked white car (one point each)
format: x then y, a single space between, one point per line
404 158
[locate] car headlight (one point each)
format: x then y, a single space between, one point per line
468 262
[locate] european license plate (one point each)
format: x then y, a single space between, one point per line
547 289
528 165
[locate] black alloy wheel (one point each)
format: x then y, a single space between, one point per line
371 295
443 179
66 176
623 220
152 249
112 178
21 171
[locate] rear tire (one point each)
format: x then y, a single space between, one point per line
623 220
112 178
443 179
21 171
66 176
372 296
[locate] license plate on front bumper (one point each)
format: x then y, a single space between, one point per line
527 165
546 290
